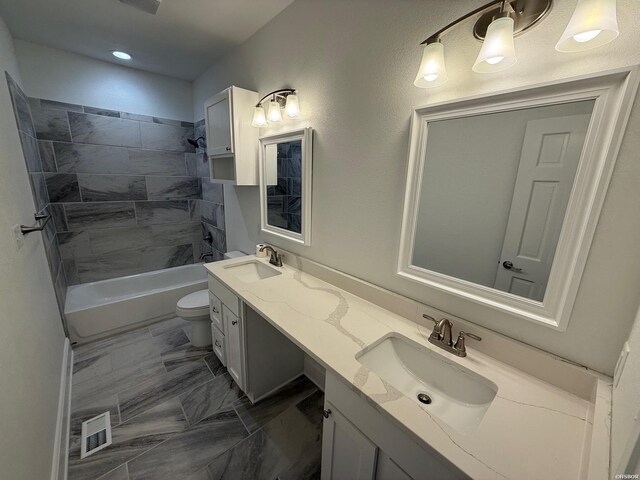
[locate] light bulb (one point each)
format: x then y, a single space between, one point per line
121 55
498 51
259 118
586 36
593 23
274 114
432 71
292 107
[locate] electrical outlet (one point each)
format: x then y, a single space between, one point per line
19 237
622 360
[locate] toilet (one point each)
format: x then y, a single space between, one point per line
195 309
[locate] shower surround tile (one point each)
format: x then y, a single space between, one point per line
163 211
62 187
99 159
100 215
157 162
107 188
47 156
21 108
97 129
127 195
50 124
166 137
172 188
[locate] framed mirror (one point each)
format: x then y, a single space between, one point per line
504 192
285 185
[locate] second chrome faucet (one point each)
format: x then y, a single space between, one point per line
441 337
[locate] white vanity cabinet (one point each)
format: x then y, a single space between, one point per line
358 443
232 143
259 358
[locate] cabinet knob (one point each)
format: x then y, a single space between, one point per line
326 413
218 344
215 310
228 149
233 322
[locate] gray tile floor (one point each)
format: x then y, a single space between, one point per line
177 414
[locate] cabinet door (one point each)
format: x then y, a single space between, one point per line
219 125
234 346
346 453
387 469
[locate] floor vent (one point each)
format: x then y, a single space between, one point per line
96 434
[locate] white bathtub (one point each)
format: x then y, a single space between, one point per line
99 309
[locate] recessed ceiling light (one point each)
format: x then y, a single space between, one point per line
121 55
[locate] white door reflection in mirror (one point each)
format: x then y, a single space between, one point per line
550 154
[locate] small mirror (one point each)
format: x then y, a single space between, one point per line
285 185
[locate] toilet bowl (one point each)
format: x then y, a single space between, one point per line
195 309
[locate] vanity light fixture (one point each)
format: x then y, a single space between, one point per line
593 24
286 98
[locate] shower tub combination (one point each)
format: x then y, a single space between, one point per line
100 309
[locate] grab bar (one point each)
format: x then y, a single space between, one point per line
24 229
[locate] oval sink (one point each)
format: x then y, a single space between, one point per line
451 392
252 271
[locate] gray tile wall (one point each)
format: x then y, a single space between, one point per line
211 205
284 201
127 191
37 162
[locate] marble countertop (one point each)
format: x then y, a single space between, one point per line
532 430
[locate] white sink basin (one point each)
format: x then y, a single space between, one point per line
252 271
459 397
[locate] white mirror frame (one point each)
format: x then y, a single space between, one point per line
614 92
306 135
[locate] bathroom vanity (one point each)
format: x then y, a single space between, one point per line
504 411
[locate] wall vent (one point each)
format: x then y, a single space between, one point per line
96 434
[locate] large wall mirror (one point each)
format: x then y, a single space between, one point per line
285 185
503 192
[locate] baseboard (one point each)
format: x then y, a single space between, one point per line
60 461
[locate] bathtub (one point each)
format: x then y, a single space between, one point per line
99 309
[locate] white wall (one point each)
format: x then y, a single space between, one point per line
467 188
31 338
354 63
68 77
626 408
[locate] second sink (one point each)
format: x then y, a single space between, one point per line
252 271
451 392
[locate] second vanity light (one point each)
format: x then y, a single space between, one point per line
286 98
593 24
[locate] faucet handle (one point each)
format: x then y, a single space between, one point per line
460 346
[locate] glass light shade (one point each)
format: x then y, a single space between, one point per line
259 118
594 23
274 114
292 107
498 51
432 71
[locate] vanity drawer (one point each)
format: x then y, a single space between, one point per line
215 311
218 344
224 294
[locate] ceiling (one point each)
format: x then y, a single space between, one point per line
181 40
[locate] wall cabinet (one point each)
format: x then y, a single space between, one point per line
232 143
358 443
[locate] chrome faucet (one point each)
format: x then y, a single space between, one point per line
274 257
441 337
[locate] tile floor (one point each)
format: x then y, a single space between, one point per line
177 414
